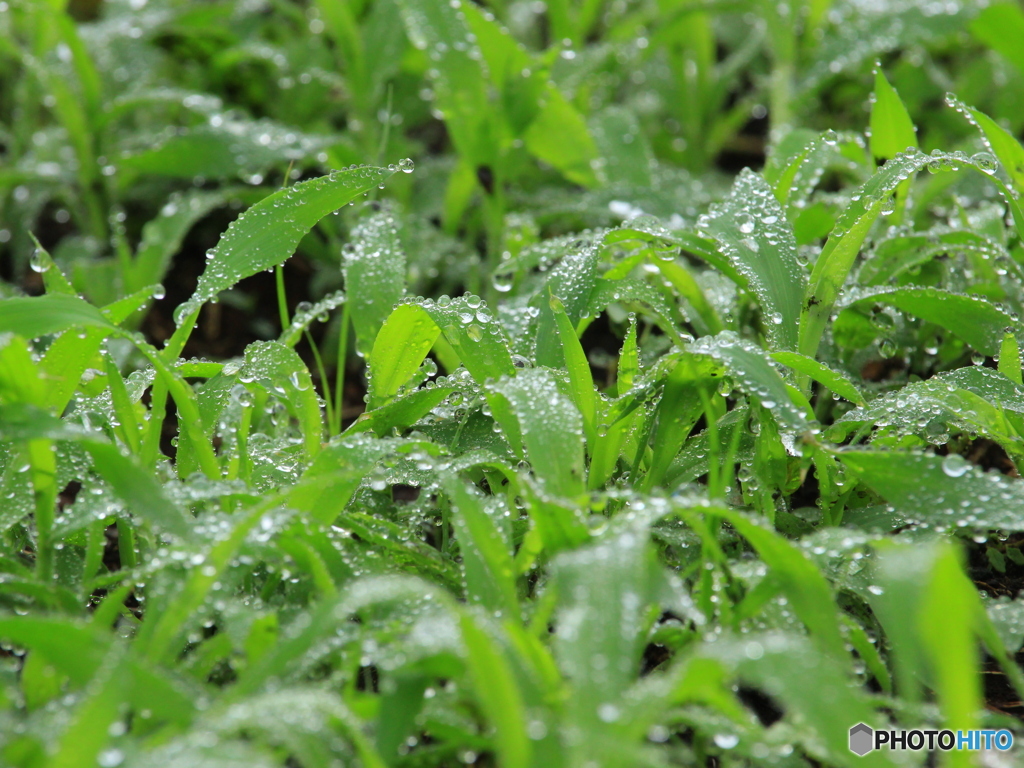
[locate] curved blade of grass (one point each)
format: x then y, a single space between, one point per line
268 233
498 694
1002 143
572 281
751 370
977 321
303 319
37 316
821 373
753 232
844 243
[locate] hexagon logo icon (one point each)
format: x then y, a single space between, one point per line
862 739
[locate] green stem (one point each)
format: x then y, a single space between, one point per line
323 381
339 375
282 299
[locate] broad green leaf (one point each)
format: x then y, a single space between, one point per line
947 493
893 257
1009 359
88 732
751 370
972 400
325 488
816 693
75 649
752 231
604 594
1006 148
550 427
223 151
280 370
623 147
374 267
572 281
892 130
400 413
806 588
411 330
932 617
401 345
268 233
458 75
138 489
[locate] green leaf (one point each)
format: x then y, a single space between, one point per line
1006 148
374 267
892 130
225 151
559 137
325 488
752 231
837 257
947 492
138 489
37 316
499 696
550 427
604 593
752 371
821 373
268 233
1009 359
580 377
486 559
411 330
458 77
1001 27
977 321
279 369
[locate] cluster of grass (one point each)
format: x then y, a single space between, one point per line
566 443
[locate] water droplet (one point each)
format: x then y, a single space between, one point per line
954 465
406 165
38 261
